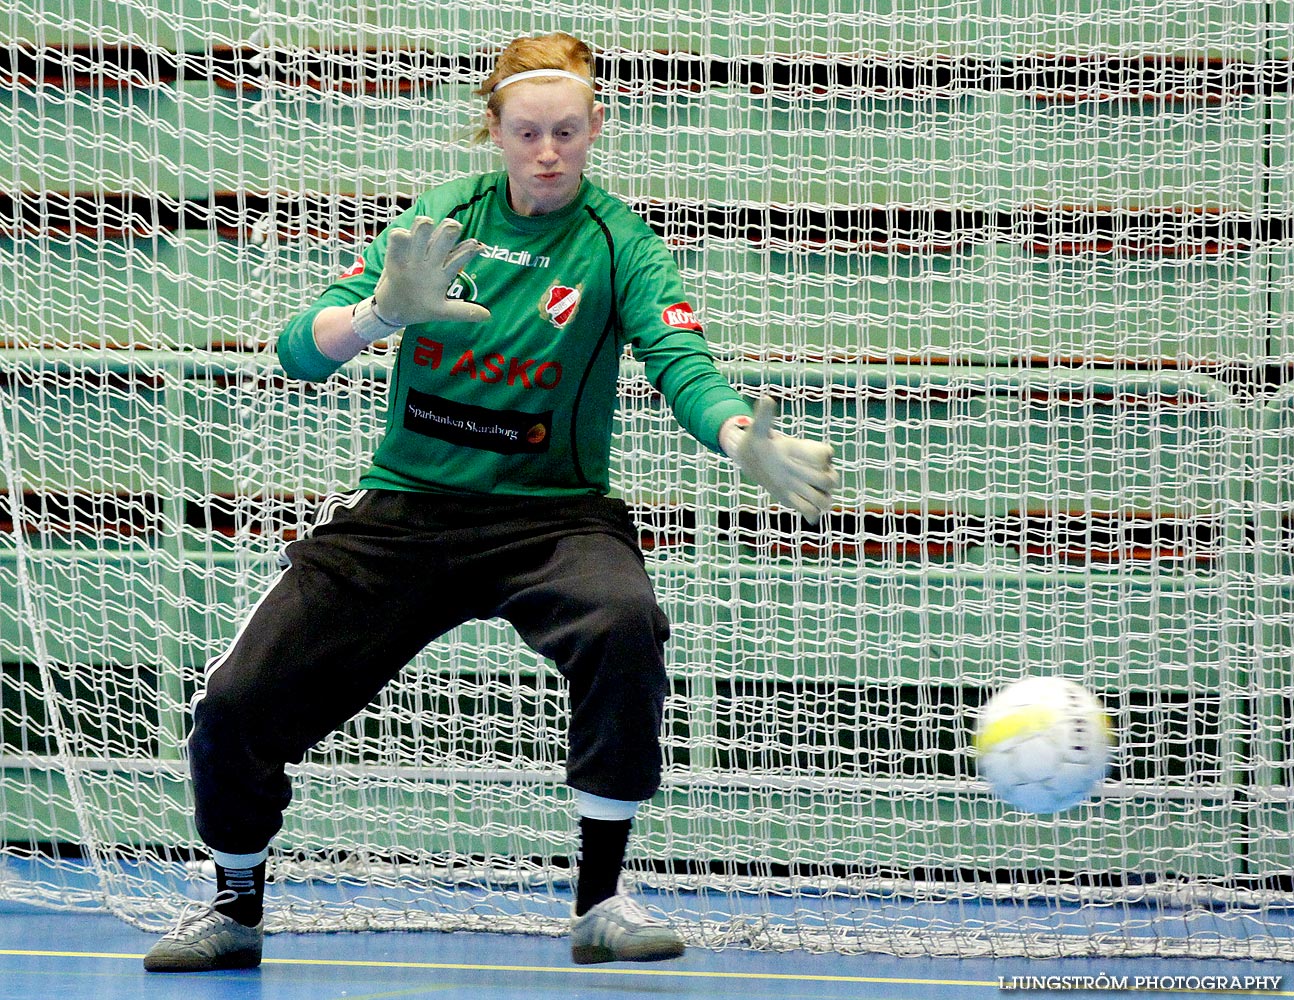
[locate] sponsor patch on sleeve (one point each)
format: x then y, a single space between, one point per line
354 269
680 316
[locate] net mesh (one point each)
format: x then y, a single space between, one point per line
1029 270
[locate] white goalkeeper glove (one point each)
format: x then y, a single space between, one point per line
421 265
795 472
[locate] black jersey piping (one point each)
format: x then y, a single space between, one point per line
470 202
613 320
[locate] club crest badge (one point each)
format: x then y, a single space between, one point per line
559 304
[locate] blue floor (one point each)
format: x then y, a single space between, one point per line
49 955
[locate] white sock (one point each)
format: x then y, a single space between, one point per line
592 806
239 860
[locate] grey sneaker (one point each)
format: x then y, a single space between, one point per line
620 930
205 939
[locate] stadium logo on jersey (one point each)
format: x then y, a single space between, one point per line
680 316
522 258
559 304
354 269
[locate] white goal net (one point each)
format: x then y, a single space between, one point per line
1028 267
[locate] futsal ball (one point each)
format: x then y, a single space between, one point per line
1043 744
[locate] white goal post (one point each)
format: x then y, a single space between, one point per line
1031 275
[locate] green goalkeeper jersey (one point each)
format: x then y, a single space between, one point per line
524 402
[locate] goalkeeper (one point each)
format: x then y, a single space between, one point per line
513 296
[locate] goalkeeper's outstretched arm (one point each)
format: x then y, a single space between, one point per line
668 339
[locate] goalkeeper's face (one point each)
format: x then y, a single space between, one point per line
545 130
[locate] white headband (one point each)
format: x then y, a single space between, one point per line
533 74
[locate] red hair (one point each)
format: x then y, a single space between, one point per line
556 51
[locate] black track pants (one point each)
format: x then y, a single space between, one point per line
382 574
